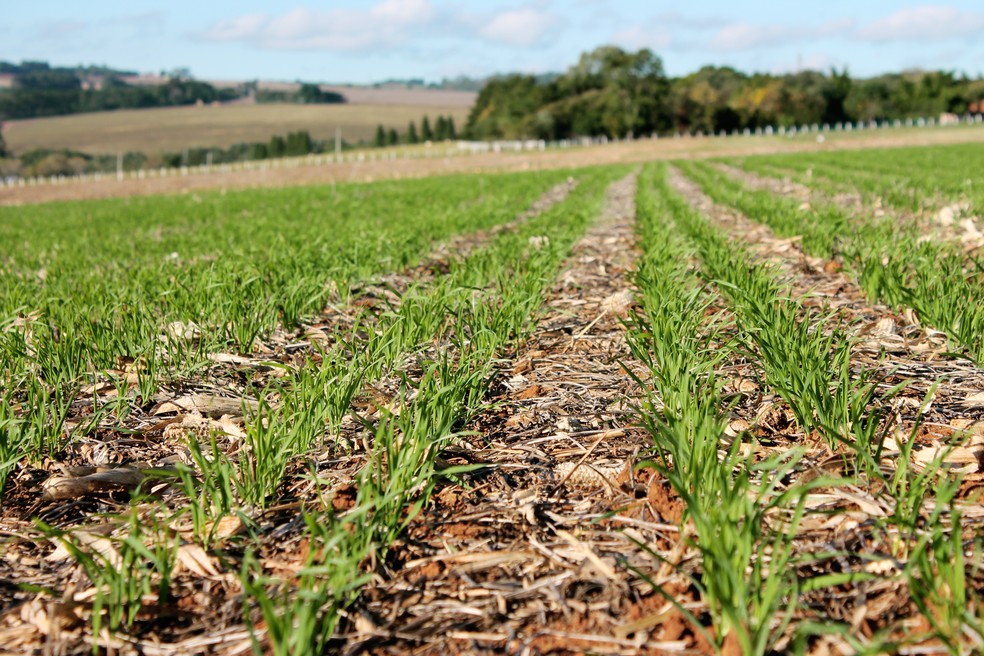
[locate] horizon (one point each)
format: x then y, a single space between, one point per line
371 43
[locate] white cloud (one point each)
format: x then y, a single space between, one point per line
746 36
924 23
690 22
240 28
520 27
403 12
634 38
743 36
387 23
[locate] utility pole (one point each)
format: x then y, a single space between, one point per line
119 166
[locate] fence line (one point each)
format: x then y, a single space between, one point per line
465 148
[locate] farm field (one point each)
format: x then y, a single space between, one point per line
301 172
727 405
171 129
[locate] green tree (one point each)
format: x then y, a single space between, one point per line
450 129
50 79
503 107
426 134
3 145
441 128
380 139
869 100
835 94
312 93
609 91
258 151
298 143
309 93
392 138
412 133
277 146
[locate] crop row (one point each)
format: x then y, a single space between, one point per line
907 178
439 343
754 574
152 287
891 263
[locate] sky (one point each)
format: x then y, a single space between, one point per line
361 42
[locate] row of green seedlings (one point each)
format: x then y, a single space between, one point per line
455 328
115 291
831 180
745 513
890 263
940 175
911 179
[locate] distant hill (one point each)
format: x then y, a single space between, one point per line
33 89
383 93
172 129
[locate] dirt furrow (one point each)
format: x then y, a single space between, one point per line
525 561
818 282
944 221
893 344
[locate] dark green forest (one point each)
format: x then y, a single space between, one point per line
41 90
616 93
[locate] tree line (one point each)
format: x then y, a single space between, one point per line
616 93
442 130
306 94
47 162
41 90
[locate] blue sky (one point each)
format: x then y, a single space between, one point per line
347 41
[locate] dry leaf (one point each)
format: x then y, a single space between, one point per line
207 405
183 331
226 527
229 358
193 558
618 303
973 401
101 480
957 460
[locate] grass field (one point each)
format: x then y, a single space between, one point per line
728 405
172 129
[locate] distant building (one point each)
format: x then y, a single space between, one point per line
93 82
144 80
7 80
